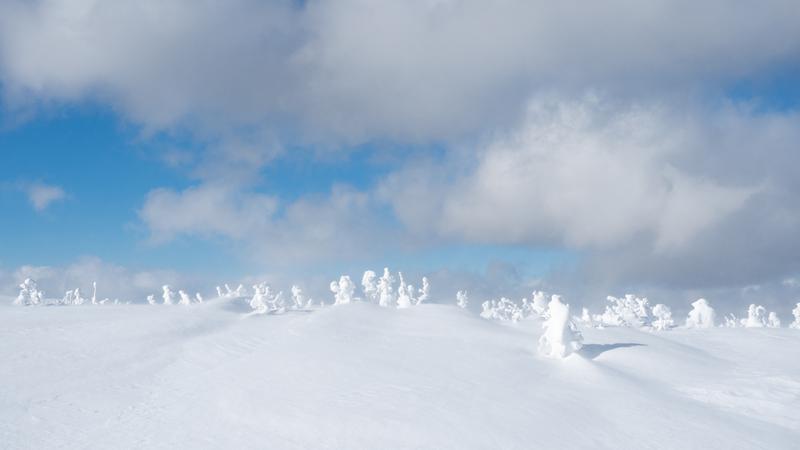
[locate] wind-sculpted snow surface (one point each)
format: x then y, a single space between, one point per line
362 376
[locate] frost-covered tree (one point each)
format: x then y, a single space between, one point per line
73 297
403 299
461 299
298 297
731 321
756 317
259 301
773 321
29 293
369 286
663 317
539 303
343 290
184 298
796 314
586 318
561 337
630 310
702 315
424 292
385 294
167 295
151 299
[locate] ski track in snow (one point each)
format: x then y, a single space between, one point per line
360 376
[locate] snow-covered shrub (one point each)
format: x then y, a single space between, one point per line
663 317
796 314
773 321
298 297
343 290
151 299
385 294
631 311
756 317
424 292
461 299
266 301
168 295
561 337
404 299
29 293
185 299
702 315
369 287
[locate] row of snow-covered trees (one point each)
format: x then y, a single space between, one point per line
30 295
633 311
389 290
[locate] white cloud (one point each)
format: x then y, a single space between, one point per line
340 225
579 173
43 195
354 70
113 281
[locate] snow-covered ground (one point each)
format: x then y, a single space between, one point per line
359 376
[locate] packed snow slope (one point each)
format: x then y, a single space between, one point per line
360 376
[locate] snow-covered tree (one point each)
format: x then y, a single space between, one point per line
73 297
343 290
773 321
369 286
702 315
298 297
561 337
630 310
198 298
796 314
731 321
167 295
539 304
756 317
259 301
29 293
151 299
403 299
219 292
663 317
94 292
385 294
424 292
461 299
185 299
586 318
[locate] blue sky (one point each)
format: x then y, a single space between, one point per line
649 148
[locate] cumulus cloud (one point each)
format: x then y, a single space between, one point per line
627 183
341 225
354 70
42 195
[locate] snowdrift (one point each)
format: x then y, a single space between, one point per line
361 376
